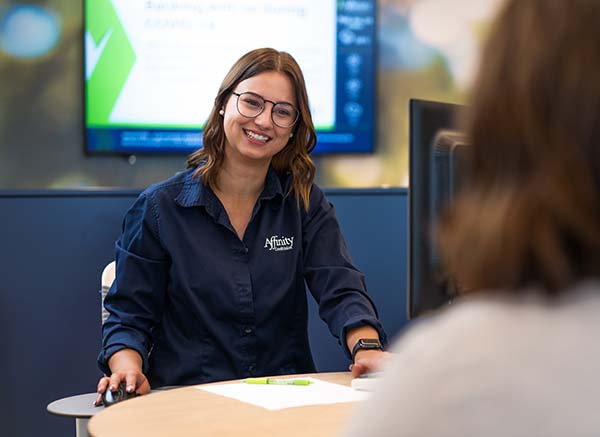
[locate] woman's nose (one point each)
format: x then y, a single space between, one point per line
265 119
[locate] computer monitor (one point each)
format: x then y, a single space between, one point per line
153 68
437 153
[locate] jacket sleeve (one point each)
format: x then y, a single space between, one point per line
336 284
136 298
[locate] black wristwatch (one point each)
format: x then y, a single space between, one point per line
366 343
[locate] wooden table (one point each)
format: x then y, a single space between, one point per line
188 411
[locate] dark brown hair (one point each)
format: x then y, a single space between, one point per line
294 157
530 213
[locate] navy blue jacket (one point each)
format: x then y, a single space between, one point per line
200 305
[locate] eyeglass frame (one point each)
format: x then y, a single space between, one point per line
237 103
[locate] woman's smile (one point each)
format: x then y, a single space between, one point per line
256 137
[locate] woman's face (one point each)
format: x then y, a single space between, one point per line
257 140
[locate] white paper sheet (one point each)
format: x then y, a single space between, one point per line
277 397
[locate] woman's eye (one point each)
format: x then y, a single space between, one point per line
252 102
283 110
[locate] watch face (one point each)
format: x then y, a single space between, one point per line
366 343
369 343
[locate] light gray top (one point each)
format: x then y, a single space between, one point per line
79 406
493 366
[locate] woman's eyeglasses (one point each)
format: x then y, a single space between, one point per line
251 105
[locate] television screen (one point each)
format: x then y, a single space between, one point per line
437 154
153 67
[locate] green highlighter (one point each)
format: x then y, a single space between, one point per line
278 381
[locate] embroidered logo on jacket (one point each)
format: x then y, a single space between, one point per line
278 243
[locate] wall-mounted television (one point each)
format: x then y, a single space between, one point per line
153 67
437 171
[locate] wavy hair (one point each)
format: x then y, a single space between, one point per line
294 157
530 213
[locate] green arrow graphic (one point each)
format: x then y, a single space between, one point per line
114 65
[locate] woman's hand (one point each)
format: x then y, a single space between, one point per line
366 361
126 366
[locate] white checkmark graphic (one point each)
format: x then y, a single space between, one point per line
94 51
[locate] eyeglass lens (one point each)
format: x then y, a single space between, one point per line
251 105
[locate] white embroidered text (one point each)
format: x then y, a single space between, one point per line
278 243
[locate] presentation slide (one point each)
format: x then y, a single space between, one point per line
153 67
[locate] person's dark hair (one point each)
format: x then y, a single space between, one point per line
294 157
530 214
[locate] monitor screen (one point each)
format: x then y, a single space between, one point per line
436 160
153 67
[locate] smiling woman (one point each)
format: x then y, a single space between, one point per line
256 69
250 120
212 263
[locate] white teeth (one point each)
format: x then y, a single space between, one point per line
256 136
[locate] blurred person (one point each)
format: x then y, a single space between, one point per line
212 263
517 354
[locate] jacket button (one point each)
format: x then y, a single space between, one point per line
248 330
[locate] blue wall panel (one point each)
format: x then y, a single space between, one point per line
54 246
374 223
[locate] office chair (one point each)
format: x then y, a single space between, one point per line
108 276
